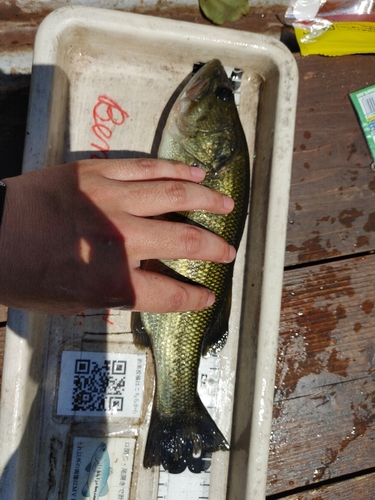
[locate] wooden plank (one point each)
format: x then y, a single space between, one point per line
324 407
362 487
332 198
266 20
3 313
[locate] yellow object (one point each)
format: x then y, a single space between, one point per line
338 39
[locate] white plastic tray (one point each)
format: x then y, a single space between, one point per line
86 59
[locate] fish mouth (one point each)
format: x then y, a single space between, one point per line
198 90
212 73
208 78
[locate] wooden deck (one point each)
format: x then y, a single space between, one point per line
323 436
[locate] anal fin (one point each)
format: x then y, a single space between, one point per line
140 334
217 335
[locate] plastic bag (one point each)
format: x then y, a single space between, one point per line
333 28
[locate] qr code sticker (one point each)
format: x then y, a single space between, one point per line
96 384
98 387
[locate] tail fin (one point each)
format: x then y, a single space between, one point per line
183 441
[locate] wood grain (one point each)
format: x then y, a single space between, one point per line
362 487
332 197
3 313
324 407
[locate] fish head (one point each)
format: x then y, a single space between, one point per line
100 453
206 118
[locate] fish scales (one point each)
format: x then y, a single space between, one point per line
203 129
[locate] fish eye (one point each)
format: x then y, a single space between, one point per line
224 93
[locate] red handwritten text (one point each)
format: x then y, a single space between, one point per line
105 112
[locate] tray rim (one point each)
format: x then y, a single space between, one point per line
52 28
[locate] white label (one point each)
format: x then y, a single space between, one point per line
95 384
101 468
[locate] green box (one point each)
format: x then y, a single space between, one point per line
364 104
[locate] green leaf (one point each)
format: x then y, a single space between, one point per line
220 11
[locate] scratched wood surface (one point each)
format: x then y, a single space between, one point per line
324 409
324 418
332 203
361 488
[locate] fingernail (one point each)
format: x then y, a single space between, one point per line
197 173
228 203
232 254
211 299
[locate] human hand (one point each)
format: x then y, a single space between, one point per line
73 236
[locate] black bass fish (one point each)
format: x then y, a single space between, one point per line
98 473
202 129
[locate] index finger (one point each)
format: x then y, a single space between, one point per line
142 169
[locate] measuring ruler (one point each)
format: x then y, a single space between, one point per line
187 485
184 486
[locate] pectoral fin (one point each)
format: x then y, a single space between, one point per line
219 148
